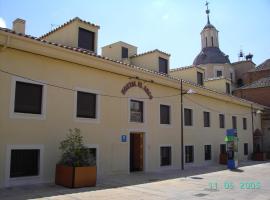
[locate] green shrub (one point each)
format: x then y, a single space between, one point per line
74 153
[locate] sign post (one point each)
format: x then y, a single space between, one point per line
232 148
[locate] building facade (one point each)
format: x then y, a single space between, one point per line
127 106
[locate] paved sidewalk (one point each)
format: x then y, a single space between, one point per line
212 182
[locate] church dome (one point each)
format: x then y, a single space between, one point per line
211 55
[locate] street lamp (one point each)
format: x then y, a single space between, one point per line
190 91
252 121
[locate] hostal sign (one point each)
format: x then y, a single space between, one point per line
138 84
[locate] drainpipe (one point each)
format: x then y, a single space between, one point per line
182 128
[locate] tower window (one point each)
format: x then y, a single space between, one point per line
219 73
206 41
212 40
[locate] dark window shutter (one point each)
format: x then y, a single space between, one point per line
187 117
86 105
221 121
124 52
206 119
163 65
28 98
165 156
24 162
199 78
86 39
164 114
207 152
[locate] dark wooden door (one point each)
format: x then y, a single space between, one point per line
136 152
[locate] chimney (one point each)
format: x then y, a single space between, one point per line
19 26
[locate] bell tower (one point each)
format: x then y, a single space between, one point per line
209 34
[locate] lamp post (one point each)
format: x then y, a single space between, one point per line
252 121
190 91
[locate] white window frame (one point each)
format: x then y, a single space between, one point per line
167 166
170 115
28 179
15 115
87 120
144 111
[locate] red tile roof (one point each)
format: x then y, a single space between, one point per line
90 53
148 52
69 22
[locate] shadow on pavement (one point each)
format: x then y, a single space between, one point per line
113 181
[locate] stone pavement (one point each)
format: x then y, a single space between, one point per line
252 181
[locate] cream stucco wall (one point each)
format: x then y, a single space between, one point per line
150 60
69 34
114 51
218 84
61 67
189 74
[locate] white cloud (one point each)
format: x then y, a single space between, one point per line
2 23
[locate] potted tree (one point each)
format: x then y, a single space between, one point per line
77 167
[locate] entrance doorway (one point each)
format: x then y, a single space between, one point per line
136 152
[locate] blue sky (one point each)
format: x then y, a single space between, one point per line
172 26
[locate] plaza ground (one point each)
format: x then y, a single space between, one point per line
209 182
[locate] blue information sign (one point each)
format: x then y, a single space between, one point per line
123 138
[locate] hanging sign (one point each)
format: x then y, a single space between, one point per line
138 84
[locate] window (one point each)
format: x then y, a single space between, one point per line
234 122
163 65
199 78
212 40
189 154
86 39
206 41
136 111
228 88
86 105
165 156
124 52
93 153
240 82
207 152
231 75
188 117
164 114
219 73
221 121
222 148
245 123
28 98
245 149
24 162
206 119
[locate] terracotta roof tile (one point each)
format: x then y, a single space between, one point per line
184 68
90 53
65 24
152 51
